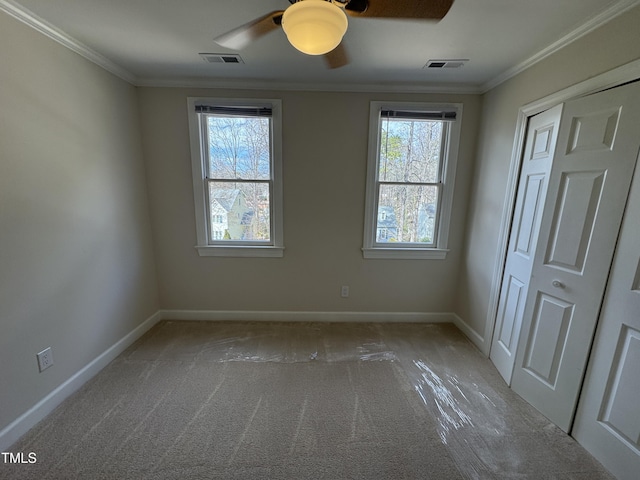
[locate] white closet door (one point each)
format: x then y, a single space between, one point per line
608 418
589 182
537 158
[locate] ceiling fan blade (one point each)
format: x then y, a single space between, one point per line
337 57
241 36
409 9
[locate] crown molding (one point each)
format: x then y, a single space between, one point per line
239 84
29 18
596 22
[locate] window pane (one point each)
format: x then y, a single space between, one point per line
239 147
239 211
407 214
410 150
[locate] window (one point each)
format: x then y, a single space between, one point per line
237 176
410 174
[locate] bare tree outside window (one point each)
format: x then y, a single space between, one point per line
411 169
409 179
239 176
236 166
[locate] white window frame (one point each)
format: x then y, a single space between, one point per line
199 154
373 249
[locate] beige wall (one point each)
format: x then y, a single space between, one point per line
325 154
612 45
80 218
76 260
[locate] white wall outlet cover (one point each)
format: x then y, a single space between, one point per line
45 359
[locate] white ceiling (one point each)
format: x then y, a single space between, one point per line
157 42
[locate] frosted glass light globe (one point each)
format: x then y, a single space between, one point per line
314 27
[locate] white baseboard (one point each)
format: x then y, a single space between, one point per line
477 339
303 316
10 434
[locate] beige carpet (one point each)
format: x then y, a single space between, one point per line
195 400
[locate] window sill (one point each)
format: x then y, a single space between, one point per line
406 253
239 251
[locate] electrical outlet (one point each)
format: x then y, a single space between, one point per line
45 359
344 291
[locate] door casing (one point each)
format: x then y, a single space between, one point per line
613 78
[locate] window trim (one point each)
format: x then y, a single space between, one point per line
373 249
274 248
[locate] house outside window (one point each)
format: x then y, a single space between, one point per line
386 227
410 179
237 176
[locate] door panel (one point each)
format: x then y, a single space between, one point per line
576 210
530 208
620 406
594 131
540 145
545 345
608 417
513 305
598 143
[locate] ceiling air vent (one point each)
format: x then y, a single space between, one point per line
442 64
221 58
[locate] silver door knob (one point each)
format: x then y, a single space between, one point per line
557 284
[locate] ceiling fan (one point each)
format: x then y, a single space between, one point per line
316 27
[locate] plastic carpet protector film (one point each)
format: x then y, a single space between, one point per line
445 396
278 399
471 423
280 343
